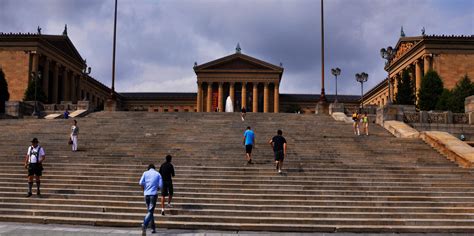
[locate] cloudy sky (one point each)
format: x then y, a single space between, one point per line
158 41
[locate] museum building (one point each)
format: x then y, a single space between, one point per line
248 81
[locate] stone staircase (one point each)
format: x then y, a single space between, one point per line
333 181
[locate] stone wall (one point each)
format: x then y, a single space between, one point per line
452 67
15 65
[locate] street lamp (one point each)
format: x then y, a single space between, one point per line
36 77
336 72
362 78
388 55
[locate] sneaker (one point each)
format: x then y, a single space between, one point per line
279 171
162 212
169 205
29 194
153 231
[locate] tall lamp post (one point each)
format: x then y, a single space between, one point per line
388 55
36 77
336 72
362 78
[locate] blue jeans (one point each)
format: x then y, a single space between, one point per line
150 201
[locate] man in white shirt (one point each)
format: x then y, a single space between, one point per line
34 163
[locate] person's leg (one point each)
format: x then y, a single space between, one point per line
150 201
30 185
170 196
74 143
164 193
354 125
38 183
153 225
366 128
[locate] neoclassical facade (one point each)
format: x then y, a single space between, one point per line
451 57
249 82
24 56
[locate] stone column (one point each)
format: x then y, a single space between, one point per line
265 97
426 63
220 97
209 97
232 93
199 97
55 98
244 95
276 98
255 97
73 87
46 79
67 85
417 78
34 64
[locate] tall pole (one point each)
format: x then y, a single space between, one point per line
336 90
113 55
323 95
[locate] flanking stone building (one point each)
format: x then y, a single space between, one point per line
451 57
63 72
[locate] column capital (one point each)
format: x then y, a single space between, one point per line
427 56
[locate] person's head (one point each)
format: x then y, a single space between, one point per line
75 122
168 158
365 113
34 142
279 132
248 127
151 166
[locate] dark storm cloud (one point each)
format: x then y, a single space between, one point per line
158 41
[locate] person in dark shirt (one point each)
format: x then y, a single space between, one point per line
166 171
278 143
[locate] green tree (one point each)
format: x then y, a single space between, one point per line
405 94
464 88
445 101
431 89
4 94
30 90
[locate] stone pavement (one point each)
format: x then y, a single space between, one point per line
17 229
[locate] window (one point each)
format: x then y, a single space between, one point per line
166 110
176 110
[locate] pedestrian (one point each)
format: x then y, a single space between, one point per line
278 144
66 114
74 134
249 142
151 182
365 123
355 119
243 113
34 163
167 172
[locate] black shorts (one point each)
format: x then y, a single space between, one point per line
279 156
167 189
248 149
35 169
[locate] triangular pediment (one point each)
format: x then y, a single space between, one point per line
236 62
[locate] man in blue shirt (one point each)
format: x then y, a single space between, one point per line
151 182
249 142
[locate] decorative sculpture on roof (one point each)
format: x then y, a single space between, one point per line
39 30
402 34
195 64
238 49
423 31
65 30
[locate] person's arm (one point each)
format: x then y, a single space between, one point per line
42 155
160 183
172 171
284 149
243 140
142 181
271 142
